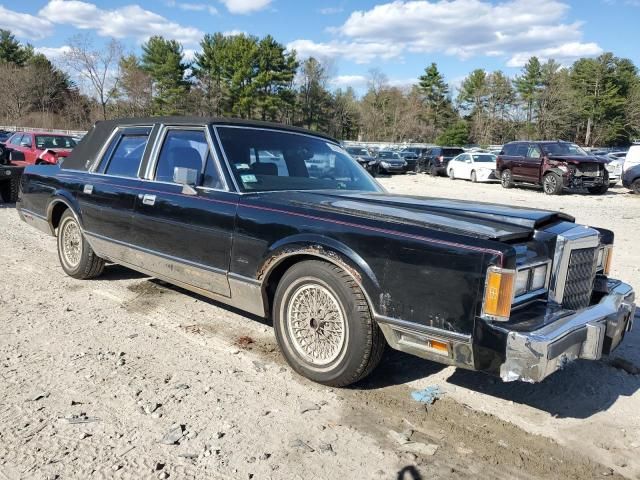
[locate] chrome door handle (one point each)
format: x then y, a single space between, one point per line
149 199
88 189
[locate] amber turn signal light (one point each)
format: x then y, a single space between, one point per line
607 260
498 294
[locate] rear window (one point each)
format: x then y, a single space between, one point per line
54 141
452 152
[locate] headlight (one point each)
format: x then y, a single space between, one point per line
563 168
372 162
384 164
539 277
522 282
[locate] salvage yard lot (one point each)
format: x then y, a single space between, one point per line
128 377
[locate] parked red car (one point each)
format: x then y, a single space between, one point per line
39 148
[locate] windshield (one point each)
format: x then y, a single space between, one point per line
451 152
357 151
266 160
384 154
54 141
564 149
484 157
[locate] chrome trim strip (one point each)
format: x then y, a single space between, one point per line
276 129
159 254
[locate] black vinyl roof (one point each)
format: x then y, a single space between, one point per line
90 146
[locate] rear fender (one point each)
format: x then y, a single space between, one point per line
59 200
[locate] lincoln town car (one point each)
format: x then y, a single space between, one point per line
283 223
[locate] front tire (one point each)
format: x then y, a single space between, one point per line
599 190
474 178
323 325
77 258
635 187
552 184
433 170
452 175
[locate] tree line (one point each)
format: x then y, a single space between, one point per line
595 101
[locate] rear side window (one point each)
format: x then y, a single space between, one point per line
127 155
15 139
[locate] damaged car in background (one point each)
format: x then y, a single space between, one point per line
341 267
555 165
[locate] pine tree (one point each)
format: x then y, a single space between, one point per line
12 51
528 85
163 60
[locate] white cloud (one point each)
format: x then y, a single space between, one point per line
53 53
193 7
461 28
245 6
563 54
355 81
24 25
330 10
233 33
129 21
358 52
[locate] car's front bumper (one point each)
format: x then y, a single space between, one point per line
588 333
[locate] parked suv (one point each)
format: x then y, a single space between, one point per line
436 159
631 170
552 164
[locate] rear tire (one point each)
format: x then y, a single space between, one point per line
506 179
552 184
433 170
9 190
77 258
417 168
474 178
323 325
452 175
635 187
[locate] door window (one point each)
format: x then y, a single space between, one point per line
126 157
534 151
187 149
521 150
25 141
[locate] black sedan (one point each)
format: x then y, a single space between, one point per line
284 224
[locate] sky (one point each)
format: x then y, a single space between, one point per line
399 38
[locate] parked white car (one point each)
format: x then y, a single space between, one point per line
477 167
614 167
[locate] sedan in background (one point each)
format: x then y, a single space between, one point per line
477 167
362 156
391 162
39 148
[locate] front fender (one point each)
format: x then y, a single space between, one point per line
328 249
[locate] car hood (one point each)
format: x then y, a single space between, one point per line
576 159
474 219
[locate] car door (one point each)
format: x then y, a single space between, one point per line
186 235
107 192
29 148
531 164
15 145
518 161
457 165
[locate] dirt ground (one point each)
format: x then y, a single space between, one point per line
128 377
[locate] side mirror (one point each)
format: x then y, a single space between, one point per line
187 177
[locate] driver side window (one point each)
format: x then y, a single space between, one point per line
534 152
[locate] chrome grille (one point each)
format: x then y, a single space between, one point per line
581 274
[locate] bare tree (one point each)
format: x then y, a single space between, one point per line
96 67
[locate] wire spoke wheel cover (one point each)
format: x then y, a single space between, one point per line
316 324
71 243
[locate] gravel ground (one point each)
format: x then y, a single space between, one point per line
128 377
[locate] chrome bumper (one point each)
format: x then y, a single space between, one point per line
588 334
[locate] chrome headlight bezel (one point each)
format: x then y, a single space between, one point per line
532 280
